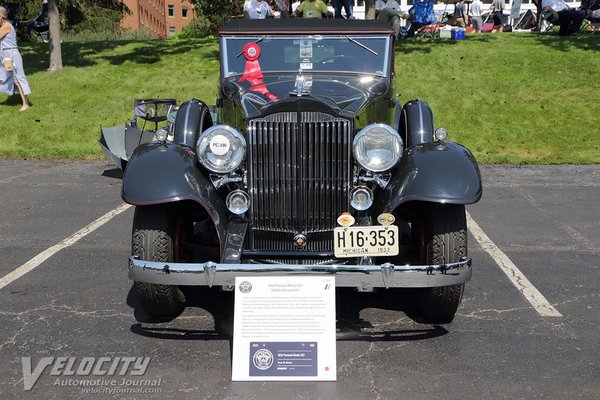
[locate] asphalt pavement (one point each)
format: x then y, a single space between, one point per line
77 302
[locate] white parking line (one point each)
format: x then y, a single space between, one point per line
537 300
44 255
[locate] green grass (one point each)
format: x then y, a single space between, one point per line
510 98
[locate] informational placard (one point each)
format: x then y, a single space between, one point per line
284 329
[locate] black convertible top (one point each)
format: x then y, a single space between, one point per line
304 26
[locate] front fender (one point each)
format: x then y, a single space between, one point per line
163 173
434 172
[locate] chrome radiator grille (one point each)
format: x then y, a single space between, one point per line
299 171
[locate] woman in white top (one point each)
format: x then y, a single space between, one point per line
12 76
257 9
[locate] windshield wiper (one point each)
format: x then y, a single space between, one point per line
361 45
257 41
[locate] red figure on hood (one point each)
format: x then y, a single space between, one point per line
253 73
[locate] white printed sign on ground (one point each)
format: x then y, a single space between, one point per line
284 329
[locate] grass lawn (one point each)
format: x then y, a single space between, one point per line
510 98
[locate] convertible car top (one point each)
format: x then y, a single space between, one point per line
304 26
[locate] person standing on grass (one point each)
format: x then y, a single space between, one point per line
257 9
313 9
12 75
476 19
337 6
460 14
497 14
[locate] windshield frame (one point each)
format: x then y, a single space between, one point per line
383 52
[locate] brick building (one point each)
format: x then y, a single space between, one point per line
163 18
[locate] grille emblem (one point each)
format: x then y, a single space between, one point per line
300 241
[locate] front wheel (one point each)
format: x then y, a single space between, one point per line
153 240
446 241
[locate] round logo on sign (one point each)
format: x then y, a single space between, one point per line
219 145
245 287
263 359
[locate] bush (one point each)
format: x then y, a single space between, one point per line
213 14
193 30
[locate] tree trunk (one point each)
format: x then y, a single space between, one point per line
369 9
538 7
55 42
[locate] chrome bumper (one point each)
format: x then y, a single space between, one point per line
361 277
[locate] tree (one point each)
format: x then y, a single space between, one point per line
538 7
216 13
55 42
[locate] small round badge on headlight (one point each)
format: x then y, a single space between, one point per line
219 145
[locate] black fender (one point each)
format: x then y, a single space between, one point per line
193 117
439 172
416 123
164 173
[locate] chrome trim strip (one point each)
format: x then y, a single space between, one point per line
362 277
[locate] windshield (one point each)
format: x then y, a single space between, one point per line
340 53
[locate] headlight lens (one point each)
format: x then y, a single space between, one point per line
238 202
161 134
378 147
221 149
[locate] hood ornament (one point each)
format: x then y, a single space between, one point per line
302 86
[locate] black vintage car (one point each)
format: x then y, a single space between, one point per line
308 164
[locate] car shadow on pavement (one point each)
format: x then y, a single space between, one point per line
404 335
114 173
218 303
153 331
349 327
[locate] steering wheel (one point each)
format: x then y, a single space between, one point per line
348 62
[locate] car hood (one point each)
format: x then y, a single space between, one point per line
341 94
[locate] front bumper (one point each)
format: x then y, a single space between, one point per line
361 277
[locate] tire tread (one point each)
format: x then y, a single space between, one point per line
152 239
447 242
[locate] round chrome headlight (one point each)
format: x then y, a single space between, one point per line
238 201
440 134
221 149
361 198
377 147
161 134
